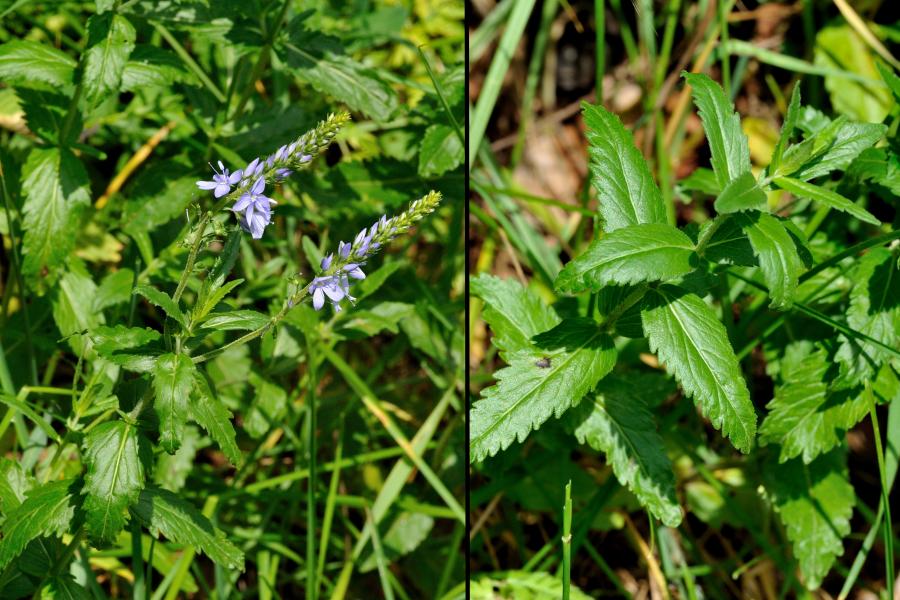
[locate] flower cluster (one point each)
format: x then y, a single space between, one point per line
252 206
333 282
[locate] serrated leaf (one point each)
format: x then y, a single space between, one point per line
565 364
56 191
162 300
616 421
875 311
776 251
237 320
701 180
514 313
173 377
633 254
741 193
846 141
626 191
815 503
688 337
114 289
64 587
802 189
115 454
787 129
47 510
110 42
24 63
214 288
728 146
440 151
808 416
311 58
209 412
164 512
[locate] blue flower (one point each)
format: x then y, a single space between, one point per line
335 287
222 181
256 209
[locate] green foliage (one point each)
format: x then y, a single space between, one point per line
167 514
628 195
173 377
815 502
115 454
691 341
47 510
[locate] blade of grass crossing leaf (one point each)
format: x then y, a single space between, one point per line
891 463
375 406
482 37
190 62
484 107
442 97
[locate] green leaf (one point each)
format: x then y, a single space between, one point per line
172 382
237 320
565 364
269 406
24 63
688 337
110 42
875 311
841 48
625 188
650 252
149 66
312 59
14 483
440 151
742 193
701 180
777 254
729 244
846 142
514 313
114 289
162 300
808 416
209 412
815 503
47 510
164 512
72 300
728 147
616 421
132 348
522 585
56 191
892 81
787 129
115 454
802 189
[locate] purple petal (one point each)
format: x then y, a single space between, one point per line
258 186
242 202
248 170
334 293
318 298
326 262
257 227
222 189
235 177
357 273
206 185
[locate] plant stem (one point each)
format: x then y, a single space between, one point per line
311 582
567 542
885 496
707 234
192 257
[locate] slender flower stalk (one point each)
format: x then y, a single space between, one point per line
337 270
248 200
